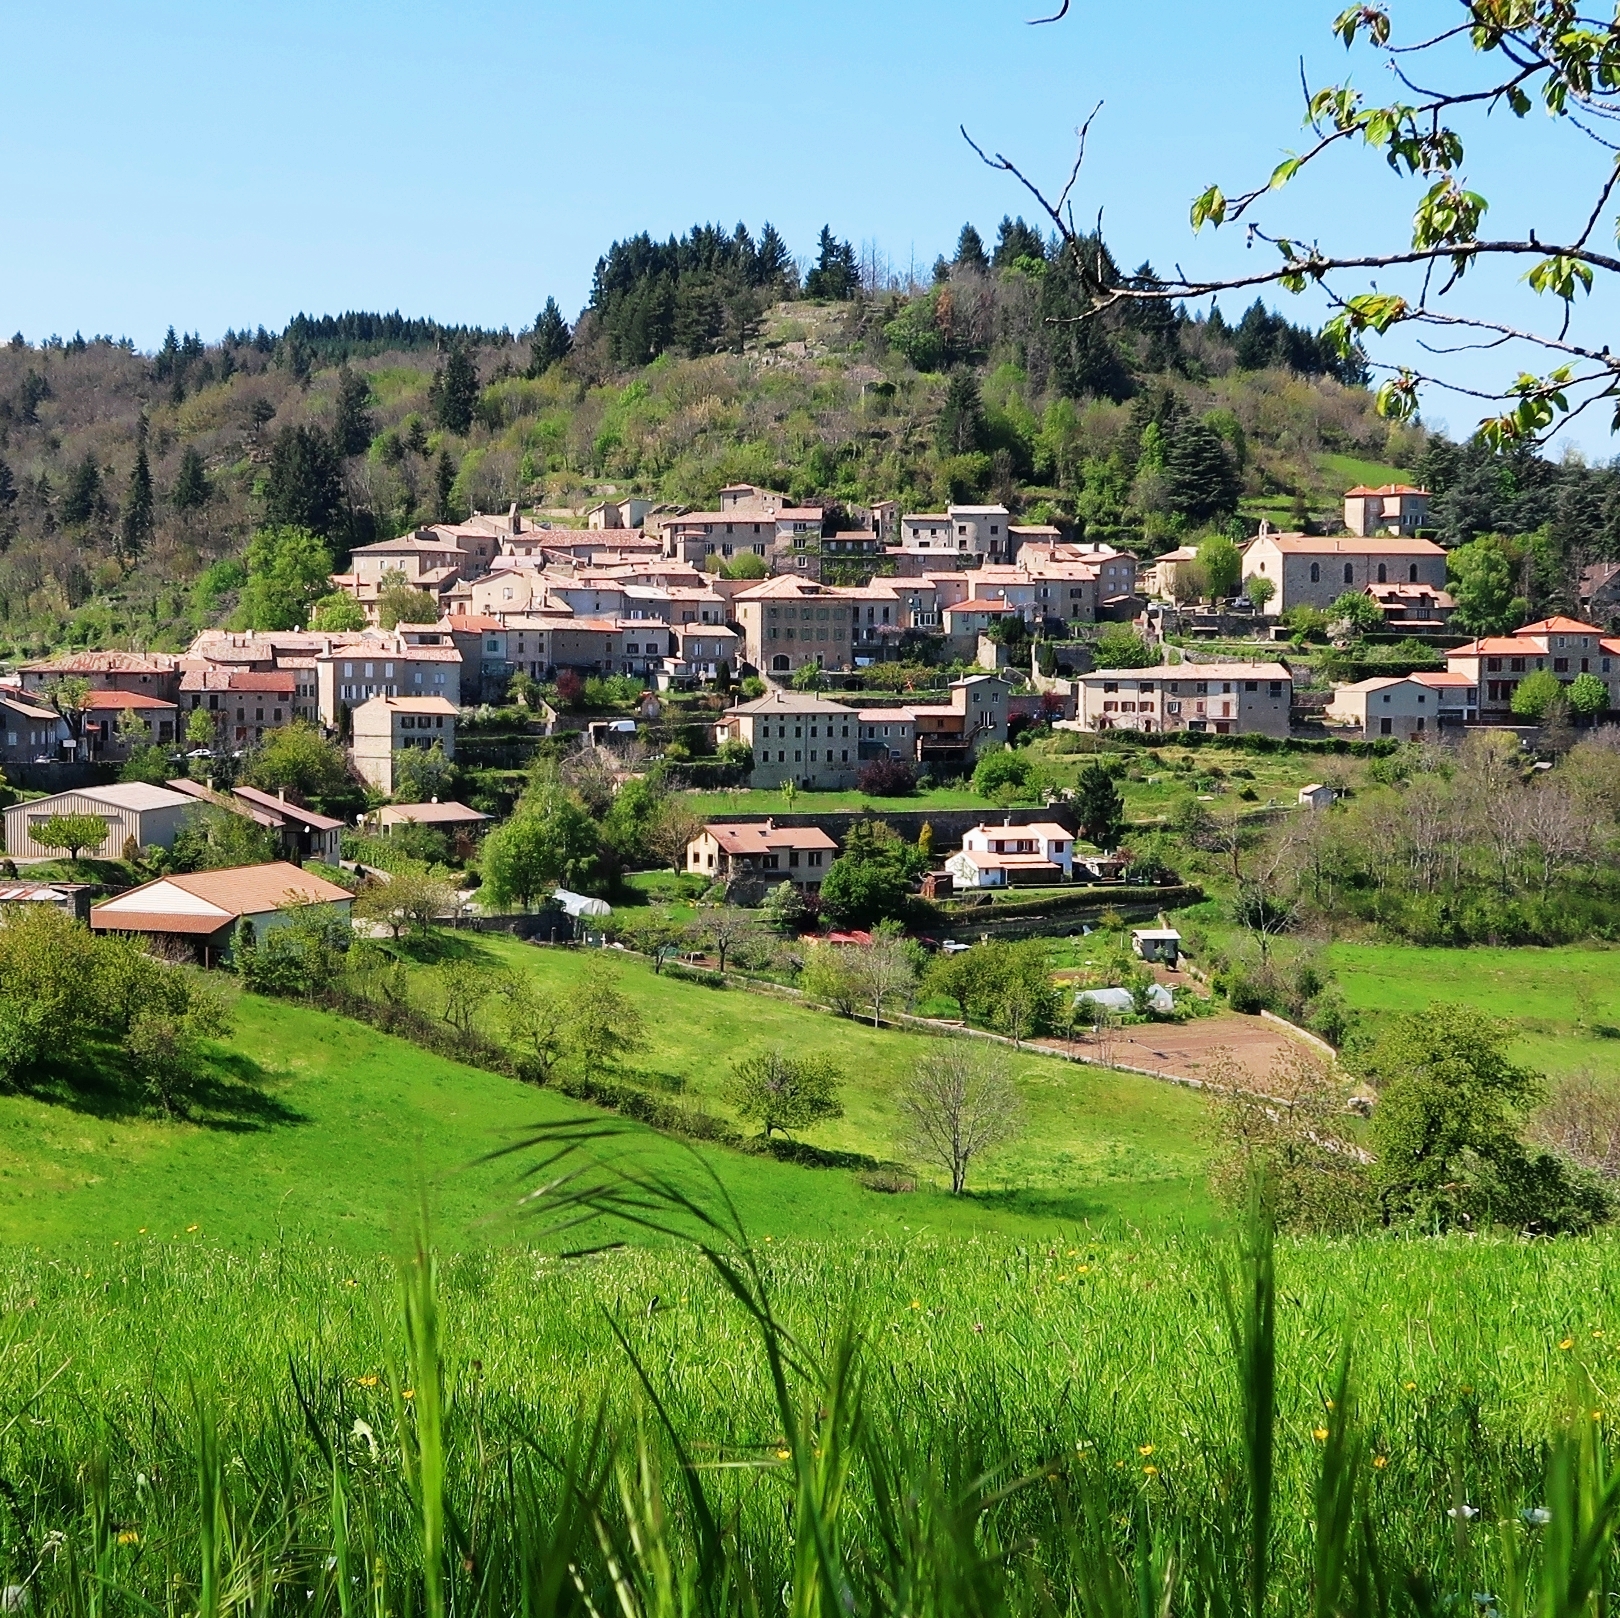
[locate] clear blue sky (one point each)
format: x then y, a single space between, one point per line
208 163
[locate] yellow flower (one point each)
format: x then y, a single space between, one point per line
1083 1269
1568 1343
916 1303
1150 1470
784 1454
409 1393
141 1231
1411 1387
1144 1449
1596 1332
129 1536
1380 1462
1597 1415
190 1228
368 1382
1319 1434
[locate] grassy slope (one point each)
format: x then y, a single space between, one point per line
1559 998
1097 1142
353 1119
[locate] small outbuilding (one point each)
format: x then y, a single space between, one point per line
1317 796
1161 944
150 815
449 816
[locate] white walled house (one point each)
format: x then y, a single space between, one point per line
1396 508
999 856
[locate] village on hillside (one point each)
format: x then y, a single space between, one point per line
738 606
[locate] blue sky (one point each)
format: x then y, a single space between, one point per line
208 163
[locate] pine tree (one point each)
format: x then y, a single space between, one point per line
444 481
835 275
305 487
8 500
82 502
970 253
135 528
1016 240
191 491
1203 482
352 430
774 263
961 421
551 341
454 393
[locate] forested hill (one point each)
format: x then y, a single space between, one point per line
130 484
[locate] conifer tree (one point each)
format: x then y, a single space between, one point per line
455 391
135 529
444 480
191 490
835 274
551 341
352 430
961 421
82 502
970 253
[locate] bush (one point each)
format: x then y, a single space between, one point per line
888 778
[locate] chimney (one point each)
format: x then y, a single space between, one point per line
770 825
1007 821
281 792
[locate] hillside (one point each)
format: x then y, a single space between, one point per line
131 482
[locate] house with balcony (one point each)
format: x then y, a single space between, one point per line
1003 856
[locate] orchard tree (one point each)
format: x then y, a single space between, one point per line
783 1092
1587 695
958 1104
1535 694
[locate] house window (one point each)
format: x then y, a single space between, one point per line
1349 573
1316 572
1411 574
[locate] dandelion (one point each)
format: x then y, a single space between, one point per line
141 1231
1597 1415
1568 1343
367 1381
128 1536
1411 1387
1380 1462
1596 1332
1150 1470
916 1303
1319 1434
409 1393
1144 1449
190 1228
784 1454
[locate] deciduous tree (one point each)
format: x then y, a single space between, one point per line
958 1104
786 1093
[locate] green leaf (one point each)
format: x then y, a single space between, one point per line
1211 207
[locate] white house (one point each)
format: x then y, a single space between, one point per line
998 856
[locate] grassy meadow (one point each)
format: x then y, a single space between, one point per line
286 1391
316 1125
1565 1002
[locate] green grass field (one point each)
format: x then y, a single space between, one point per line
323 1127
1565 1002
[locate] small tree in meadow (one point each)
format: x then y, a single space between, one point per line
786 1093
958 1105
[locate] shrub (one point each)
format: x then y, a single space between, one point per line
888 778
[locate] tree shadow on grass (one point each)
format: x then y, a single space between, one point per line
1059 1206
232 1096
444 944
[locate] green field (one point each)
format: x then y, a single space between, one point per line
322 1126
1565 1002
